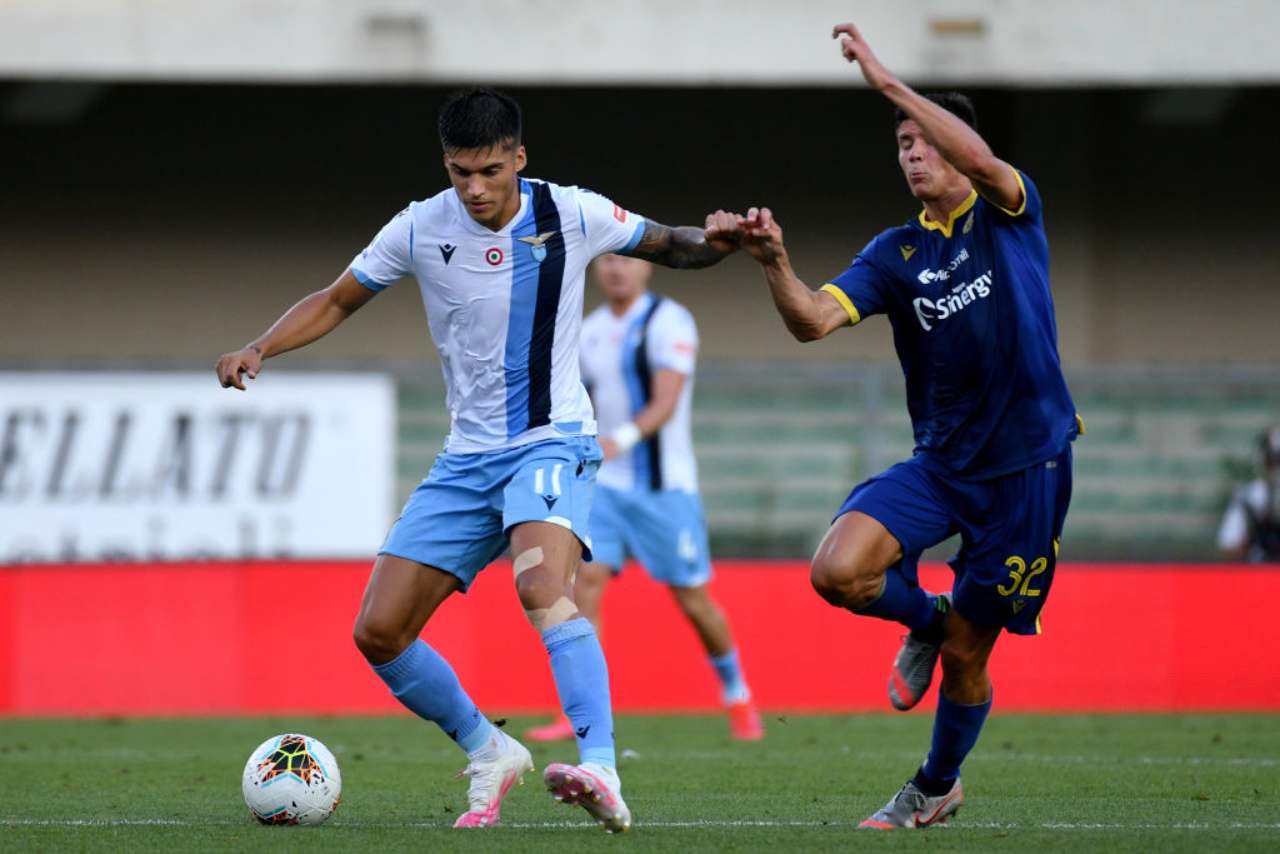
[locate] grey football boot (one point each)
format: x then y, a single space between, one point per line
913 808
912 672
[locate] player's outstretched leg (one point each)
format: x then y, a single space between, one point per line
708 619
934 794
399 599
545 557
582 681
861 567
588 588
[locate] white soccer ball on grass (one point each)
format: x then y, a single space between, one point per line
292 779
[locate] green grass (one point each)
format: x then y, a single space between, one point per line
1043 783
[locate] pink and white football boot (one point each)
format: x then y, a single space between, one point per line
593 787
493 770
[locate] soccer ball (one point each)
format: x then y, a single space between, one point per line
291 779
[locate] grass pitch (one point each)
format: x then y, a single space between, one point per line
1119 783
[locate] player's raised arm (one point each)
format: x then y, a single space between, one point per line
687 247
808 314
312 317
959 144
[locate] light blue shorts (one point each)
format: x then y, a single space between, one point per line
460 517
663 530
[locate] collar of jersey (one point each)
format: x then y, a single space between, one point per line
638 307
526 194
951 217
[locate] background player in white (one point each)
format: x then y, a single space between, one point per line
1250 528
500 262
638 355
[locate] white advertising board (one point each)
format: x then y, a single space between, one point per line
113 466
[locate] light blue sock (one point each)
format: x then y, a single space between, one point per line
582 681
733 687
427 685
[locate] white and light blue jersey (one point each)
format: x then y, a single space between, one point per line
620 355
504 307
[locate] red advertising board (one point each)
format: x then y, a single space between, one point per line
276 637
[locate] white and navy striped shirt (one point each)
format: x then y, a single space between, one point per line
504 307
620 355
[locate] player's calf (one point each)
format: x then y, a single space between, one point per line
849 586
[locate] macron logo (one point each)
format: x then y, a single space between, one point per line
446 252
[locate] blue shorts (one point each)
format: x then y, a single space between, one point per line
460 516
1009 529
664 530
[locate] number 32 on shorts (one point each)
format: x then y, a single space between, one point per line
1020 578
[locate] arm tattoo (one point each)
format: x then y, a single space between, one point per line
682 248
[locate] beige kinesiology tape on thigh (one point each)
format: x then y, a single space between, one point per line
542 618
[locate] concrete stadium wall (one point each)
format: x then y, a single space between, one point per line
162 224
690 42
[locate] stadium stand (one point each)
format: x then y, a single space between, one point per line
780 446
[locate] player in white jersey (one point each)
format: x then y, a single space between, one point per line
500 261
638 355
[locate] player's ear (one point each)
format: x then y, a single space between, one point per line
521 158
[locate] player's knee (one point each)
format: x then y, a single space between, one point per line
541 594
693 601
590 582
378 642
845 585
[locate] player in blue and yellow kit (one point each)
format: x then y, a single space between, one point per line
965 286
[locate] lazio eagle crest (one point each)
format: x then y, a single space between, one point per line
537 244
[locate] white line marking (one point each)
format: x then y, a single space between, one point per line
707 823
1007 756
555 478
537 480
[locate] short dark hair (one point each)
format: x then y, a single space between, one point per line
952 102
479 118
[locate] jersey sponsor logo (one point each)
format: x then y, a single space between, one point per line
446 252
619 214
963 295
907 251
494 256
537 244
929 276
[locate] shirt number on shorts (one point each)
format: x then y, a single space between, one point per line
1020 578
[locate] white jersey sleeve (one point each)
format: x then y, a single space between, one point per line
390 256
606 226
673 339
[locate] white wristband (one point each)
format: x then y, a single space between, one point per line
626 437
